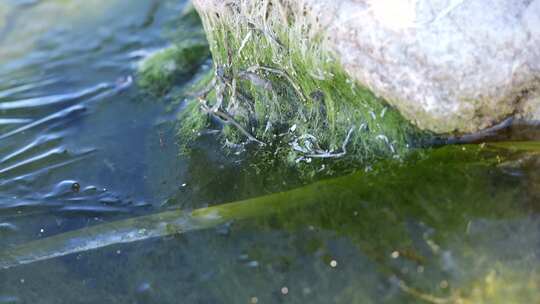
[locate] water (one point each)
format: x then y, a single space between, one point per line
82 145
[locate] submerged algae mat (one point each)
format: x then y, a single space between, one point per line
445 190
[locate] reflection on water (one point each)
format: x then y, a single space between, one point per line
61 107
81 145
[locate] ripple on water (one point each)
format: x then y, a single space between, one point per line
35 146
54 131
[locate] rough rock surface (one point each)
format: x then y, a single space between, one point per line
446 65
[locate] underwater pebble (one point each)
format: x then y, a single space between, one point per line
284 290
395 255
254 300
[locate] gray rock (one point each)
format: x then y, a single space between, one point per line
446 65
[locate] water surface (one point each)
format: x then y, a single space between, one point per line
81 144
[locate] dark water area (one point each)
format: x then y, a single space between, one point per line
81 145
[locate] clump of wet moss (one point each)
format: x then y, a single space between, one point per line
276 88
192 122
159 71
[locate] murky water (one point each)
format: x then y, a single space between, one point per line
81 144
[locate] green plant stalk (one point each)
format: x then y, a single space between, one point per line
177 221
156 225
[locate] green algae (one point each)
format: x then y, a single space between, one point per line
448 191
161 70
192 122
417 220
294 97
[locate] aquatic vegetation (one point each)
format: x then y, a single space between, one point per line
191 126
417 220
354 206
85 169
505 284
160 70
273 89
518 145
